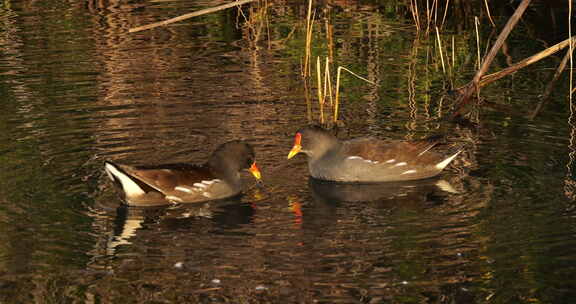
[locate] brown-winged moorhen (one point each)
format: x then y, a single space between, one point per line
367 160
158 185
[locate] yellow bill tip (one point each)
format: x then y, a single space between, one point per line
295 150
255 171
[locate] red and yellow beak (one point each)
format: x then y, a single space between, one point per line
255 171
297 146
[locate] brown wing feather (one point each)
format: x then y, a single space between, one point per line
166 177
382 151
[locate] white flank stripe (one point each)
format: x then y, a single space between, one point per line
441 165
173 198
363 159
210 182
400 164
390 161
128 185
200 185
184 189
408 172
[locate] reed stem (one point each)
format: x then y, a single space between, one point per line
441 50
339 70
189 15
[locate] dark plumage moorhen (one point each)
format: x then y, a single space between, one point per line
367 159
158 185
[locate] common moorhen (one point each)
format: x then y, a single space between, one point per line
367 159
158 185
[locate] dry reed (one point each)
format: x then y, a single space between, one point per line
308 49
336 99
488 12
441 50
189 15
477 41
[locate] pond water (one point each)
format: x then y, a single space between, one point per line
498 226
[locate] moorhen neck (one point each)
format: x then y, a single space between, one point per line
367 159
158 185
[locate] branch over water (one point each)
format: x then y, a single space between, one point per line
189 15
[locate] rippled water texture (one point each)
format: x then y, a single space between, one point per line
76 89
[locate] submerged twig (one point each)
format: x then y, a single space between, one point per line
473 87
501 38
189 15
524 63
550 86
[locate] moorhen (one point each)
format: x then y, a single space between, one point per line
367 160
158 185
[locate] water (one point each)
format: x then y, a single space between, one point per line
77 89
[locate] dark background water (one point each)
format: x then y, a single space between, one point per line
76 89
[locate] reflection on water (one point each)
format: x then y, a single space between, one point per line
327 246
224 215
77 88
413 191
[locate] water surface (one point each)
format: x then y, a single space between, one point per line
78 89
